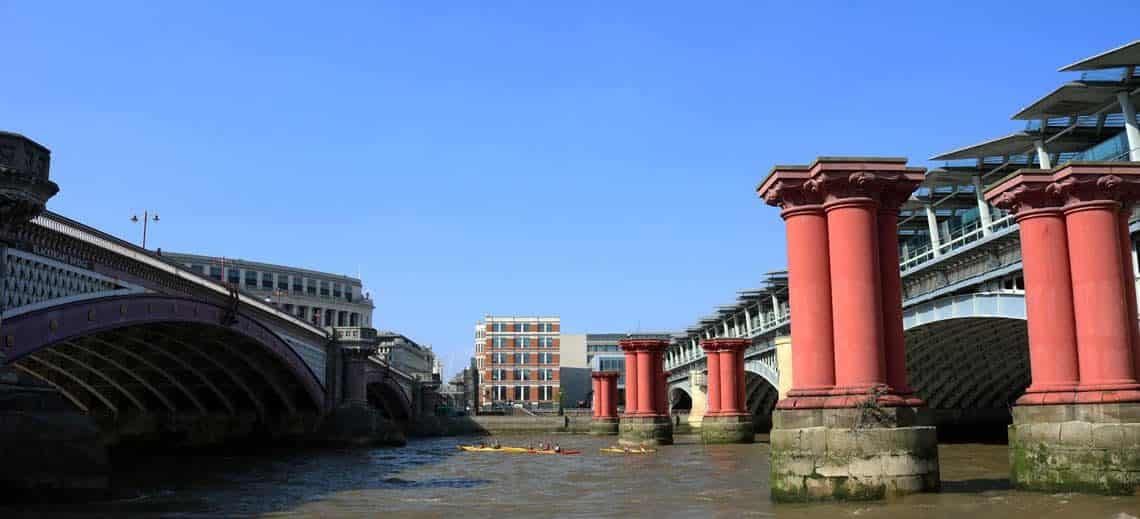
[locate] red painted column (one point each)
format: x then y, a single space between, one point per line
1129 279
856 303
894 344
1048 301
1104 337
741 398
595 384
631 382
609 395
645 381
662 385
729 385
809 282
712 380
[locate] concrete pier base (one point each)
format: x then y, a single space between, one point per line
841 454
604 426
727 429
645 430
360 425
1076 447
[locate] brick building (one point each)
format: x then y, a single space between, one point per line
519 360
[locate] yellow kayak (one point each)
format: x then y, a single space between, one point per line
473 448
613 450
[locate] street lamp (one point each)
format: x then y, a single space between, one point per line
146 218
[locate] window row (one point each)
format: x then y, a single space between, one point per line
522 358
274 281
522 393
523 342
523 327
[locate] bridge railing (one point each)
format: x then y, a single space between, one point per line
75 230
960 237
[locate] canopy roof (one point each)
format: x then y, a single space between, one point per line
1122 56
1076 98
1018 143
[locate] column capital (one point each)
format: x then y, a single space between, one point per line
648 345
887 182
602 375
725 344
1025 193
1097 181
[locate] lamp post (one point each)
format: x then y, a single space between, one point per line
146 218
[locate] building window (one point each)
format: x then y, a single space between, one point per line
497 327
522 342
499 392
545 358
337 290
521 358
216 272
267 280
524 393
297 288
251 278
324 288
233 276
546 327
522 327
498 342
546 392
310 287
520 374
197 269
282 282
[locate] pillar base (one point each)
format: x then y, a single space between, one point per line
727 429
841 455
604 426
645 430
1076 447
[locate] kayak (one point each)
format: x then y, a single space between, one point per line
611 450
472 448
514 450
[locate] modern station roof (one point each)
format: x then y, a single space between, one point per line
1122 56
775 283
1015 144
1076 98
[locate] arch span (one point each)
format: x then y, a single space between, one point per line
389 398
680 400
968 356
157 354
760 397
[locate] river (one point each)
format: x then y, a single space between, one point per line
431 478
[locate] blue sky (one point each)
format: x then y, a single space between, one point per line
594 160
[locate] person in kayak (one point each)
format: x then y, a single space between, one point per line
495 444
557 448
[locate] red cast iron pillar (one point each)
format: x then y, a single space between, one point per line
605 420
630 380
854 284
649 423
1048 284
809 284
728 420
1080 302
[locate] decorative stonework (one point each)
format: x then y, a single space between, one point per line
24 184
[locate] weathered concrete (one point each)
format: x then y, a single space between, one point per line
647 430
1076 447
727 429
841 454
604 426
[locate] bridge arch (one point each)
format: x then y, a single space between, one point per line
680 400
390 399
968 355
157 354
760 397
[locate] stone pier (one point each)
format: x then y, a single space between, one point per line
849 427
646 419
1077 428
605 417
727 419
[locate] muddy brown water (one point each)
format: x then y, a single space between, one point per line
431 478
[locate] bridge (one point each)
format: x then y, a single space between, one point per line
152 351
